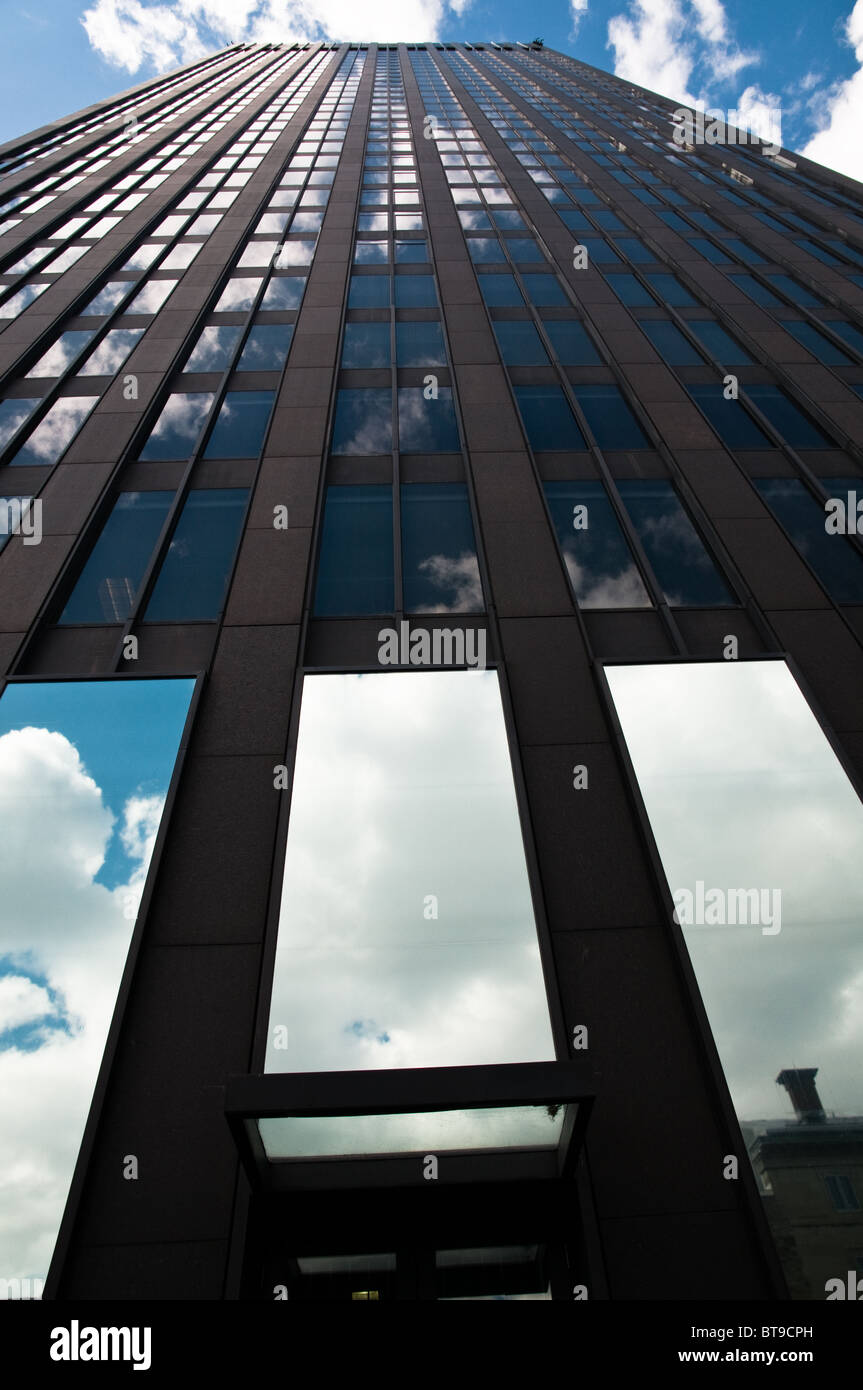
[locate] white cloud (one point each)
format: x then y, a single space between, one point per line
22 1001
130 34
57 924
578 9
663 44
838 112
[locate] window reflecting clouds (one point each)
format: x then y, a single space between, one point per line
747 799
177 429
55 431
406 935
84 771
599 562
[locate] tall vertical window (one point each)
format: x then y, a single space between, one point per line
409 939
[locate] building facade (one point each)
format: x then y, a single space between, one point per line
432 735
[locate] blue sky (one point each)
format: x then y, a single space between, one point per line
733 54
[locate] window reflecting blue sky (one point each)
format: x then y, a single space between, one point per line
84 769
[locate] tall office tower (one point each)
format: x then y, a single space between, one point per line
431 737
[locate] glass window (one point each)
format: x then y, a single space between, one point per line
500 289
283 292
55 431
672 345
415 292
371 252
787 418
411 252
634 249
369 292
13 414
544 290
719 344
177 429
214 349
355 569
485 250
240 425
520 344
571 343
111 353
628 289
238 294
363 422
742 249
109 582
668 288
612 422
266 348
193 577
62 353
427 425
366 345
837 564
795 292
709 249
850 332
816 343
108 298
524 249
85 768
758 292
680 561
734 425
548 421
420 345
440 572
755 819
597 556
370 971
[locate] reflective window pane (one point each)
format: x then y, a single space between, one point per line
612 422
107 585
266 348
734 425
548 420
284 292
787 418
427 426
597 556
240 425
214 349
62 353
55 431
571 343
363 422
364 978
369 292
85 768
672 345
177 429
680 561
194 574
111 353
440 572
420 345
366 345
719 344
837 564
519 343
355 569
760 834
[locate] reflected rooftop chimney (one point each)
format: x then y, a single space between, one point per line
799 1082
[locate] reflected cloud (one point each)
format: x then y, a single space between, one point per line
405 908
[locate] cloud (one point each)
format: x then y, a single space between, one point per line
63 944
838 111
578 9
662 45
129 34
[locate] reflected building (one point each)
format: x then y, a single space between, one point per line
430 730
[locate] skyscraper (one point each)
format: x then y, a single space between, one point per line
431 743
